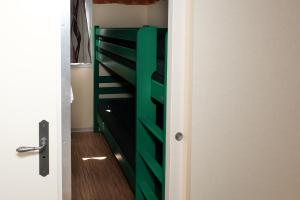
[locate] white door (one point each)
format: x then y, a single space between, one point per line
30 86
245 142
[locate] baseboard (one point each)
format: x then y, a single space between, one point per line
82 130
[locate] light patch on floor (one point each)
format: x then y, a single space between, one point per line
94 158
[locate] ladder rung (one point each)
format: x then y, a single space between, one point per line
152 164
153 128
157 91
147 191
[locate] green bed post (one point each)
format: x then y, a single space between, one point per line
146 109
165 117
96 78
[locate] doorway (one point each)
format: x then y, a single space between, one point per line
97 170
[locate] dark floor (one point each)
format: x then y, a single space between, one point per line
96 174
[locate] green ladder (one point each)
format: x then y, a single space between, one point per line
150 138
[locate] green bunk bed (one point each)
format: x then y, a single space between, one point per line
134 124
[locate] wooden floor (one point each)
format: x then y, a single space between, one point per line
96 174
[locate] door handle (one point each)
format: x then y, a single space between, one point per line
28 149
43 148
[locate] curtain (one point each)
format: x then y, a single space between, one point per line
132 2
80 33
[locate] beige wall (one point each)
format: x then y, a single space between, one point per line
157 14
118 15
246 100
108 15
82 106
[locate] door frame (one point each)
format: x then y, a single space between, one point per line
178 99
64 141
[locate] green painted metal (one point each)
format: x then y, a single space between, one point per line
165 116
157 91
120 69
124 52
143 175
97 42
129 34
152 164
153 129
128 171
147 192
146 66
96 81
148 169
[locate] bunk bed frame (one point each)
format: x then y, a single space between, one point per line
131 55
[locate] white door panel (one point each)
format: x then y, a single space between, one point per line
245 142
30 57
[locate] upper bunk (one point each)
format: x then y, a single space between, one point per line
126 51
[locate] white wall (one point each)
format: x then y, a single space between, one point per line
246 100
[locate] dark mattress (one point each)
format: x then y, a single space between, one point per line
121 123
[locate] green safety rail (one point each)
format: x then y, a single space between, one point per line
150 172
120 34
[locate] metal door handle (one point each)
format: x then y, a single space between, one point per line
28 149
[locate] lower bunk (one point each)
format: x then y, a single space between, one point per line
116 121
